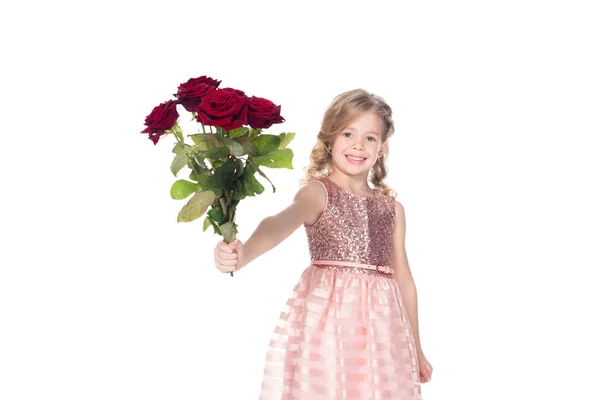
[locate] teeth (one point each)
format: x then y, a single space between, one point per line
355 158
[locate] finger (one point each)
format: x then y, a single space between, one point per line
226 260
227 256
227 263
225 248
227 268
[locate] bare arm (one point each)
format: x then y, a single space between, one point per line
403 275
307 206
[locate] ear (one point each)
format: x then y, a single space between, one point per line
383 149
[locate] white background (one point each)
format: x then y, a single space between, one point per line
495 159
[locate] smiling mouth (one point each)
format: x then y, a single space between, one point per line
355 159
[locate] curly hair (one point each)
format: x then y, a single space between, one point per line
341 112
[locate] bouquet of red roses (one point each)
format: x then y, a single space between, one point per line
225 155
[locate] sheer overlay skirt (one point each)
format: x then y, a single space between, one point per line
345 336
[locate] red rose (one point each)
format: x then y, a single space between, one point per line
236 91
162 117
226 108
190 93
262 113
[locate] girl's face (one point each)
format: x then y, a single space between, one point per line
356 148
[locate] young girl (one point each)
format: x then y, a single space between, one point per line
349 330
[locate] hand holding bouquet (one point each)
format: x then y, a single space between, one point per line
226 150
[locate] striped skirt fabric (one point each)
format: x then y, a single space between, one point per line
342 335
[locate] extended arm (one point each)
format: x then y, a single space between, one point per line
403 275
307 205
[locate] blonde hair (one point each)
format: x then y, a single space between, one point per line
343 109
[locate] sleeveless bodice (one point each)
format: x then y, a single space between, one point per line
353 228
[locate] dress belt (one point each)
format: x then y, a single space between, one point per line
384 269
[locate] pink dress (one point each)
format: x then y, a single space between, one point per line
344 333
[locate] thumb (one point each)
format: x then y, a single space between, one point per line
234 244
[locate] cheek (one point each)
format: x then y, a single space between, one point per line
337 146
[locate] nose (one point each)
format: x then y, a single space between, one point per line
358 146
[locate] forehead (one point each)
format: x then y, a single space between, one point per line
367 121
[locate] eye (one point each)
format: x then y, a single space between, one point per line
347 133
373 137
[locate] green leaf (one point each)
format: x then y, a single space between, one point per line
247 189
234 147
256 186
193 176
218 162
206 224
228 231
250 186
239 168
223 177
215 226
215 154
254 133
265 144
179 162
286 138
238 191
248 148
265 176
241 131
199 161
179 148
177 129
181 189
276 159
196 206
206 181
205 141
217 215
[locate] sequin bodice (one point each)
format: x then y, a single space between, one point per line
353 228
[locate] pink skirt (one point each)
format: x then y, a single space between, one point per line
342 335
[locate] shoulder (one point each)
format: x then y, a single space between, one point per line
398 207
390 201
314 189
399 215
313 199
